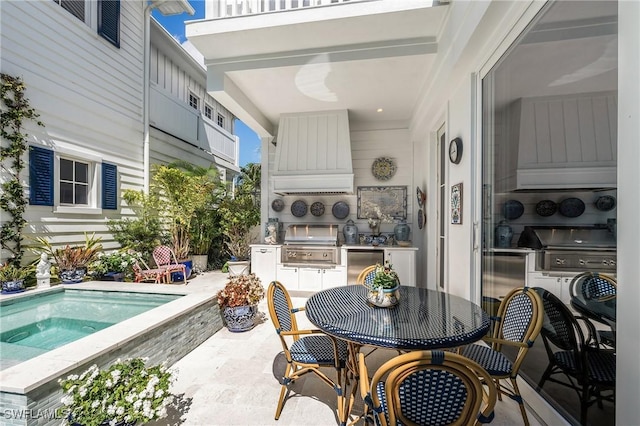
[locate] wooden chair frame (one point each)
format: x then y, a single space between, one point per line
362 276
157 275
288 332
481 391
166 260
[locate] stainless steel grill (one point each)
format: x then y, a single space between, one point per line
577 248
311 246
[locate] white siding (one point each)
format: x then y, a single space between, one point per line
88 94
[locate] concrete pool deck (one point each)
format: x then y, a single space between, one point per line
232 378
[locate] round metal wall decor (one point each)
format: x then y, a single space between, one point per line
383 168
571 207
512 209
340 210
277 205
546 208
605 203
299 208
317 208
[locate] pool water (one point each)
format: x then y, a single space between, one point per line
34 325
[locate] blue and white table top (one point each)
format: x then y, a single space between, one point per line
424 319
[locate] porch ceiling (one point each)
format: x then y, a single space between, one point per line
360 57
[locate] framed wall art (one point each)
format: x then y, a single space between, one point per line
456 204
382 202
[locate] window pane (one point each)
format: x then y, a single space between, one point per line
82 172
66 193
66 169
81 194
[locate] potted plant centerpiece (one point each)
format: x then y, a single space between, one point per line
116 265
384 291
238 301
126 393
71 262
12 277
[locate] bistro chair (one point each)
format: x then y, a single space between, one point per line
518 324
144 273
366 276
587 368
306 351
592 285
165 259
428 388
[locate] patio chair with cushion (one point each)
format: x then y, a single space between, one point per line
306 351
588 369
144 274
165 259
428 388
518 324
366 276
596 286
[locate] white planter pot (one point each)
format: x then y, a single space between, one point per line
238 267
199 262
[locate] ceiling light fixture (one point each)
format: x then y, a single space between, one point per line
379 110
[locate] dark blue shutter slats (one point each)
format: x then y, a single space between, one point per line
109 186
109 20
40 176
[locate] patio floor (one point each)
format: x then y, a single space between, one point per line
232 379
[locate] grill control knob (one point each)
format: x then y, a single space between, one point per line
308 254
560 261
325 255
583 262
612 262
292 254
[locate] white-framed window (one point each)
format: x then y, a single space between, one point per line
221 120
73 185
75 7
208 111
194 101
102 16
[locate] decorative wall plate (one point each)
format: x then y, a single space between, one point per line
512 209
383 168
605 203
546 208
420 219
277 205
340 210
317 208
571 207
299 208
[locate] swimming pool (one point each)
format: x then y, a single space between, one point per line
35 325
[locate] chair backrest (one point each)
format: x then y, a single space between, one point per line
163 256
366 276
520 316
593 285
433 388
559 325
281 309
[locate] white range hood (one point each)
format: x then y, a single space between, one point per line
313 154
564 142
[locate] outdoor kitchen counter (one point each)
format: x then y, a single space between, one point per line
525 250
372 247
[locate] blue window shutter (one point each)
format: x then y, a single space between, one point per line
109 21
109 186
40 176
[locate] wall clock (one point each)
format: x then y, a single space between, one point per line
455 150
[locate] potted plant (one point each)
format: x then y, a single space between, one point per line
72 261
181 194
238 301
115 266
125 393
12 277
239 216
384 291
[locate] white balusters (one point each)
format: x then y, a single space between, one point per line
228 8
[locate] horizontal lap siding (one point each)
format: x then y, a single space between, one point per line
88 94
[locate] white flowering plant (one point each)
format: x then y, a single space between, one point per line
116 261
128 391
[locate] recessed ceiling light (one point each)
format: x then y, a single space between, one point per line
379 110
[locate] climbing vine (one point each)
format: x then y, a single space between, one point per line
15 109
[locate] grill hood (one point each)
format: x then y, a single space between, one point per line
313 154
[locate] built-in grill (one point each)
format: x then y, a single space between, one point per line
571 248
311 246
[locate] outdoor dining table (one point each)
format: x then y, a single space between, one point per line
422 320
601 309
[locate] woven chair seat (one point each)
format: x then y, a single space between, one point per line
602 365
317 350
496 363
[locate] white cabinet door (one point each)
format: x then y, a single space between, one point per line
334 277
310 279
263 263
549 283
288 276
404 263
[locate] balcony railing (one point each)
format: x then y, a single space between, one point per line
183 122
229 8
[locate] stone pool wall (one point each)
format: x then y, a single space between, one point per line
168 342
